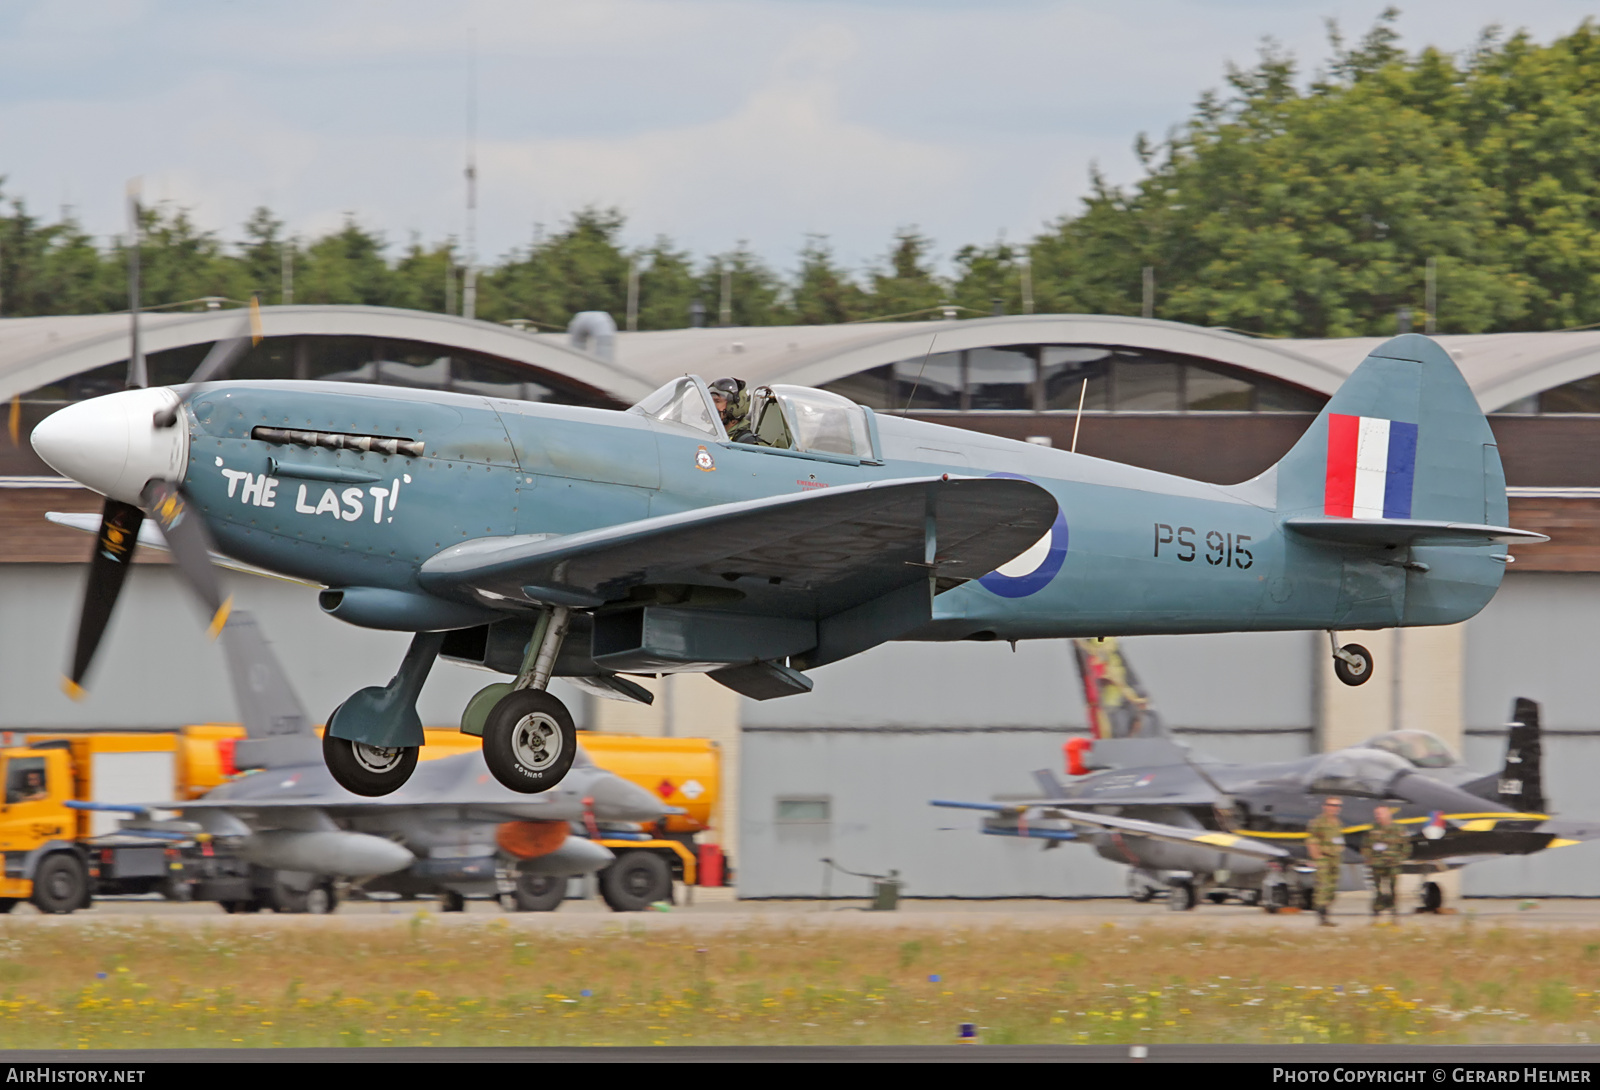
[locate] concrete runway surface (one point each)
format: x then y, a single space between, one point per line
717 909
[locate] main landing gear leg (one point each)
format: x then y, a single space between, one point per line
372 739
529 740
1352 663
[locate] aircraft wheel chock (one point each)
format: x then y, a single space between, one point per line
529 741
1358 672
368 770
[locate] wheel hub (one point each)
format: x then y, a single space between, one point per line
377 759
536 742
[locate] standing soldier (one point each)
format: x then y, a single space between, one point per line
1386 849
1325 846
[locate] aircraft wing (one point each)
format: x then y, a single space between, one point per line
1382 533
811 553
1052 811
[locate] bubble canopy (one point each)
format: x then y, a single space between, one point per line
1419 747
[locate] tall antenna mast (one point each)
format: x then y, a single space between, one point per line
469 284
137 375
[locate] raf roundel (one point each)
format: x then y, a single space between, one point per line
1030 571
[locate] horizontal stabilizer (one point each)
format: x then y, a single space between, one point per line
1393 533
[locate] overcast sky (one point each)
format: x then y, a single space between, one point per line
708 120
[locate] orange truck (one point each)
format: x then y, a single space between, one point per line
59 847
59 816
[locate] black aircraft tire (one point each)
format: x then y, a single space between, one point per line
451 901
60 884
636 881
369 771
529 741
537 893
1354 674
1432 897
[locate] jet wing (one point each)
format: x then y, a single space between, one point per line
808 554
1382 533
1155 830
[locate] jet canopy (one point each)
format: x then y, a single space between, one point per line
1421 748
1358 772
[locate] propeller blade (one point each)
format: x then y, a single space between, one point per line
108 567
223 355
138 374
190 546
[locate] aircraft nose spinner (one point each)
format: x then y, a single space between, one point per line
112 445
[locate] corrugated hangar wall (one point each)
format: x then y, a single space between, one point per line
887 731
891 729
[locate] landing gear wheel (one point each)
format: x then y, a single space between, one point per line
232 907
1276 899
529 741
321 900
451 901
366 770
536 893
60 884
1358 672
1432 897
1308 899
1140 891
636 881
1181 896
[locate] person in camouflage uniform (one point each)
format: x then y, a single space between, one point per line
1386 849
1325 846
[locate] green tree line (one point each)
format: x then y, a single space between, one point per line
1284 205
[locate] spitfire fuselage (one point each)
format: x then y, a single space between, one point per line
278 471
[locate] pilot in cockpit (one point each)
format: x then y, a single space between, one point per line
732 399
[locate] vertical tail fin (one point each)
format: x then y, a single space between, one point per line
1521 782
278 731
1117 704
1402 438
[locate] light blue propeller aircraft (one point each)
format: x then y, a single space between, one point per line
554 541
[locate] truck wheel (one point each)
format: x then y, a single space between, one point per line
536 893
7 904
60 884
636 881
231 907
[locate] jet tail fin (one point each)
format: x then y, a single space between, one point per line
1521 783
1117 704
1049 786
277 730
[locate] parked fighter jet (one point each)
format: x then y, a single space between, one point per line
1196 827
452 830
547 540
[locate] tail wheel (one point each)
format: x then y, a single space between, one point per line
1356 669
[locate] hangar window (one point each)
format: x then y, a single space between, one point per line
1051 378
804 809
1580 397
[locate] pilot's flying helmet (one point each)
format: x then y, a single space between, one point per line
727 387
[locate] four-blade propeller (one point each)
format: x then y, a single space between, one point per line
164 500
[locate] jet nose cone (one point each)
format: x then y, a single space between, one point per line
615 799
111 443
